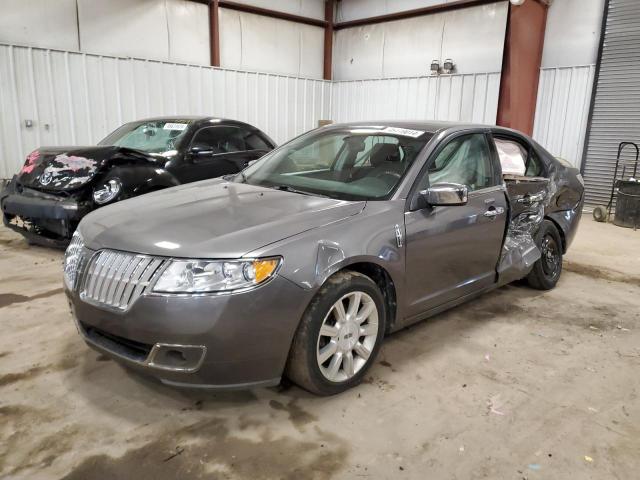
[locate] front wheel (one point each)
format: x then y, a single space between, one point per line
339 335
546 271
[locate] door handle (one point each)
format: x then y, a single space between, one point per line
529 199
494 212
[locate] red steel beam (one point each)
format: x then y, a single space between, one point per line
265 12
412 13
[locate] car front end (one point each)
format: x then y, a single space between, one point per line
189 323
41 217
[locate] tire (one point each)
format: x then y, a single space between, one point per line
600 214
311 365
546 271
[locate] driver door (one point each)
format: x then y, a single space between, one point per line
216 151
453 251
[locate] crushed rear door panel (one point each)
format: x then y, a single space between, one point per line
528 197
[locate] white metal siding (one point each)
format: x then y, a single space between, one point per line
616 112
77 99
472 37
562 109
468 98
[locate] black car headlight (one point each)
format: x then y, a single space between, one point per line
107 191
201 276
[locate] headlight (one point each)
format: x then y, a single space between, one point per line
197 276
107 191
72 259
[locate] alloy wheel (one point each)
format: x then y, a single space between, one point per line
347 336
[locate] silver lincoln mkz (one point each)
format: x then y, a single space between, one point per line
300 264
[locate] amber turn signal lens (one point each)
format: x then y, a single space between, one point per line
264 268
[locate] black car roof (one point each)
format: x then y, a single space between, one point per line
194 118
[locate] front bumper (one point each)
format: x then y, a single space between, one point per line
58 216
233 341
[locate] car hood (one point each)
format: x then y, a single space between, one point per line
209 219
67 168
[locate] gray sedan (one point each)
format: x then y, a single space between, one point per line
302 263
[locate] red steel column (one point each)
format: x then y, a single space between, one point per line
214 33
328 38
521 65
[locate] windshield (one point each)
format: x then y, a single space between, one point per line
157 136
363 163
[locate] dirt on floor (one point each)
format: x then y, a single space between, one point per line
519 384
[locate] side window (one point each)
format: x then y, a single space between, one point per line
516 160
465 160
254 140
534 166
219 140
513 157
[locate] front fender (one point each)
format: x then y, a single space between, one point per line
369 237
140 179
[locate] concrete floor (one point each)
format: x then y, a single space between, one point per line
518 384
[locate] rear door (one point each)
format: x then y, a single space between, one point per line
453 251
220 150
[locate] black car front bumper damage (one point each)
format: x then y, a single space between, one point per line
42 218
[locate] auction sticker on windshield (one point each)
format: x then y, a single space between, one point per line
175 126
403 131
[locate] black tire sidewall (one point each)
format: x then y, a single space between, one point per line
599 214
541 279
315 315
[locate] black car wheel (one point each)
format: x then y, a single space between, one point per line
339 335
546 271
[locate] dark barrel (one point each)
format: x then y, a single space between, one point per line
628 204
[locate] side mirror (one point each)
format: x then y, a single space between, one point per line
446 194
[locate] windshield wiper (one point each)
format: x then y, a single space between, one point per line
287 188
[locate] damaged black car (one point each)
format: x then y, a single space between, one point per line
58 186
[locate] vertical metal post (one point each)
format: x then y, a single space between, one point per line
214 33
521 62
328 38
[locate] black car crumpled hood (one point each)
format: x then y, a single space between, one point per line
209 219
66 168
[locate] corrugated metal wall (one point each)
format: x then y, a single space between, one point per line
562 110
76 98
616 111
470 98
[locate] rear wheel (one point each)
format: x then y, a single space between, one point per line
546 271
339 335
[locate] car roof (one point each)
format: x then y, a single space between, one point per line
429 126
195 118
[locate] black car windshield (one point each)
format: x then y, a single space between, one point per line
154 136
363 163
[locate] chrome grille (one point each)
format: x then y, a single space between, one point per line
117 279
